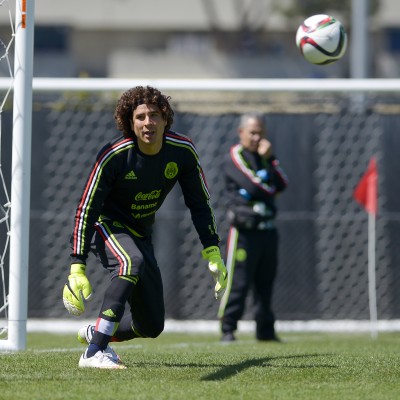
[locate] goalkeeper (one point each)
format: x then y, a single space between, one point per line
129 180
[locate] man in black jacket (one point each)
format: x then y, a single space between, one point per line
129 180
253 180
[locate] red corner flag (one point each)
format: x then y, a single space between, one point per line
366 192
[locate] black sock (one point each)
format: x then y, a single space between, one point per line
92 350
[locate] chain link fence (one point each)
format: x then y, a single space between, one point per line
324 143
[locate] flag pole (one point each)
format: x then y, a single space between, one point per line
366 193
373 312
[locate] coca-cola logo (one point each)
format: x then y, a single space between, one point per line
154 194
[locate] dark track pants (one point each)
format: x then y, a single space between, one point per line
252 259
135 282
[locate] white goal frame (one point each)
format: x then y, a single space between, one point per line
18 285
224 85
20 182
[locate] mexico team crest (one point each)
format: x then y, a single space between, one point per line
171 170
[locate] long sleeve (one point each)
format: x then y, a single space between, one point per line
95 191
196 193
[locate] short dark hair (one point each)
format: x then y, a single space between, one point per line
251 115
132 98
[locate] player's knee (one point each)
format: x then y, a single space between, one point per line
153 329
156 330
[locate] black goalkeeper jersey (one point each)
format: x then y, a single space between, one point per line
128 187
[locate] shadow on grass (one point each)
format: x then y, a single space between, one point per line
228 371
234 369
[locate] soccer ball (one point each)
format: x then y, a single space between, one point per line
321 39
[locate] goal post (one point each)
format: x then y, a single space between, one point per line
223 85
20 181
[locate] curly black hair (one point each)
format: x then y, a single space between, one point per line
132 98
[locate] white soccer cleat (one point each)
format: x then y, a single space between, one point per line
85 335
100 360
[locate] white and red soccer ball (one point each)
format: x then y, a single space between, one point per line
321 39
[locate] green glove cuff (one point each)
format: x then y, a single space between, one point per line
211 251
78 268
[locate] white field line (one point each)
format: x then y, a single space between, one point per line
211 327
118 347
202 326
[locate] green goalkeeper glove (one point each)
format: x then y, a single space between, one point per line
76 290
217 269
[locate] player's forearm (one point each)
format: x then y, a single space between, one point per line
204 222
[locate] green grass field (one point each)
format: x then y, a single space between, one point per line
188 366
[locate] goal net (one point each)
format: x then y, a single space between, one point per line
323 131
